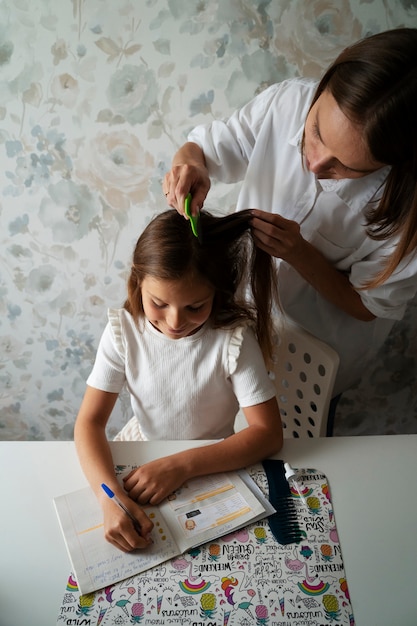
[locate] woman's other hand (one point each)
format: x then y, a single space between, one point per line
278 236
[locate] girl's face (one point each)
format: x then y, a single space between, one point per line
333 146
177 308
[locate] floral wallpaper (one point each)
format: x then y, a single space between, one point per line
95 98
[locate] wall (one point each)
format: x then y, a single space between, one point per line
95 98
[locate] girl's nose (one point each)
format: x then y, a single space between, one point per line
175 319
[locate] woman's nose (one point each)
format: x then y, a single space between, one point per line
319 162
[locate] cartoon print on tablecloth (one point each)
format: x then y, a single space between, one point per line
236 594
305 492
214 551
85 603
192 584
260 534
313 504
208 602
245 578
296 565
326 552
261 614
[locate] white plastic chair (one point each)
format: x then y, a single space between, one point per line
304 373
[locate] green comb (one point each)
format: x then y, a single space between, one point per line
193 218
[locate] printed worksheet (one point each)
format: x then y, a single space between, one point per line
213 514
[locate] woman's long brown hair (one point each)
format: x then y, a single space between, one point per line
374 82
224 255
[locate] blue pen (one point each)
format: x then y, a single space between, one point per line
116 500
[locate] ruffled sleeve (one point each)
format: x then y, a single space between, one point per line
248 374
235 344
116 329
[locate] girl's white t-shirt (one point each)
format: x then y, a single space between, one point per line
189 388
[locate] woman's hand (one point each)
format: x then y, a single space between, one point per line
155 480
281 238
188 175
278 236
119 529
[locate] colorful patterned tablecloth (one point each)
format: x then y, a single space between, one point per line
243 579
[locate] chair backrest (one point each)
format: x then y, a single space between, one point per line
304 372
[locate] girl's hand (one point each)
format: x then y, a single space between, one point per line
154 481
188 174
277 236
119 529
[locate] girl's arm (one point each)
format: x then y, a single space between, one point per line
96 461
263 437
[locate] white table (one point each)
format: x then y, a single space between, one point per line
374 489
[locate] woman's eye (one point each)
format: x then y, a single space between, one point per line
194 309
315 130
158 306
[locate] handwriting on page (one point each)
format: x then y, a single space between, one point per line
102 562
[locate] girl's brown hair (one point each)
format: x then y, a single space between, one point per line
374 82
224 255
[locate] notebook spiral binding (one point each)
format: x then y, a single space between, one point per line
284 523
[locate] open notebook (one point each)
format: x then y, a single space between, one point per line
203 509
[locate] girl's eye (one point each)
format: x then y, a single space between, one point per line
158 306
195 309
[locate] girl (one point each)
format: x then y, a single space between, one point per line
185 347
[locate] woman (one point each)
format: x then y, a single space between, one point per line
330 169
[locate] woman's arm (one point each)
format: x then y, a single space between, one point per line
96 461
263 437
281 238
188 174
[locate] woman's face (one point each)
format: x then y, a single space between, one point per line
333 146
177 308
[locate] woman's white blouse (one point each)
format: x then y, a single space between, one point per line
260 145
